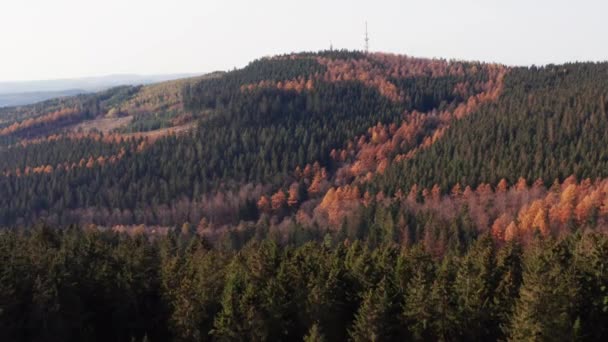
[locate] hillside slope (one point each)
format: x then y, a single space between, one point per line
135 108
355 143
260 125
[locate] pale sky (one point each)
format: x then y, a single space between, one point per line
47 39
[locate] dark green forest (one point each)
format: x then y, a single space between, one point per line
549 123
74 285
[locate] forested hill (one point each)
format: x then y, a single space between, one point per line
334 140
334 195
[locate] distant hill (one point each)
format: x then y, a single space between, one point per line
18 93
20 99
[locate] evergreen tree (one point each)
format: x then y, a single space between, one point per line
475 285
418 310
445 325
376 319
508 289
548 297
314 334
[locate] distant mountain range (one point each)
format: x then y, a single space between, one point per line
18 93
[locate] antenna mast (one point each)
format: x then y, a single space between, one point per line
366 39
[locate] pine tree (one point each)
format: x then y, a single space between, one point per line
509 283
445 325
240 318
314 334
545 309
591 262
474 285
418 310
376 317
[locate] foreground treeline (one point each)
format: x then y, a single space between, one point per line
91 285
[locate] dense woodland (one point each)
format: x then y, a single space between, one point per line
549 123
316 196
76 285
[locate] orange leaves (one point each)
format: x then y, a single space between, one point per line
278 200
377 70
328 199
360 70
533 217
400 66
518 212
315 186
44 119
75 136
309 85
584 209
264 204
338 203
382 166
541 222
564 210
89 163
457 191
41 169
318 180
521 184
294 196
373 152
512 232
382 145
502 186
298 85
436 193
500 225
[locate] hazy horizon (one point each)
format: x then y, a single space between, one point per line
67 39
111 75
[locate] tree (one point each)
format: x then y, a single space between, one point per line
475 285
241 317
314 334
376 317
445 324
547 300
510 272
278 200
294 195
418 310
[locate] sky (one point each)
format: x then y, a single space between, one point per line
50 39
